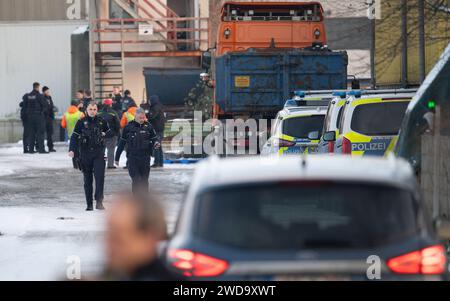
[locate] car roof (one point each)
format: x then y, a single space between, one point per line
388 96
302 111
221 172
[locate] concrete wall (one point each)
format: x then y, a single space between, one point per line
11 130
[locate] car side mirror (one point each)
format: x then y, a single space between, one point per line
329 136
314 135
443 229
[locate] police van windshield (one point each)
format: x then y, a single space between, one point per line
382 118
300 127
275 216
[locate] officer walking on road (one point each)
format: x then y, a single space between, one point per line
88 139
49 119
141 138
35 112
112 118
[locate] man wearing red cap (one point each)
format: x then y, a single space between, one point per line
111 117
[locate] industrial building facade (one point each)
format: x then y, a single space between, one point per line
35 46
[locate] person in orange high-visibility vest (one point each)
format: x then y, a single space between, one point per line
71 117
128 116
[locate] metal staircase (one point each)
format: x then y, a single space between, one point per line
114 40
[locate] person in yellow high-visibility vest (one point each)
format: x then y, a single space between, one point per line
71 117
128 116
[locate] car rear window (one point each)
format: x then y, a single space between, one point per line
383 118
300 127
311 215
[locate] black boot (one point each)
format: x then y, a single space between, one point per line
99 206
90 207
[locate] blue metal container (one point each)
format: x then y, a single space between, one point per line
171 85
258 82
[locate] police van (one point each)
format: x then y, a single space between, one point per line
331 123
370 123
292 128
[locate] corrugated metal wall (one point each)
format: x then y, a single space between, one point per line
42 10
35 52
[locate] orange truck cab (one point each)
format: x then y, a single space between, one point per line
267 24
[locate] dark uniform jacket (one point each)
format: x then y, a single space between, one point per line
117 104
127 102
156 116
50 107
140 139
34 104
112 118
89 136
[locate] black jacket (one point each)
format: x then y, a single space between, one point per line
34 104
127 102
140 139
156 116
50 107
22 110
117 103
89 136
112 118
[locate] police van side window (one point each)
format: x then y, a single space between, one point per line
326 124
341 120
382 118
339 116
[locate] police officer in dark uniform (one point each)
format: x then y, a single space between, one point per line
49 119
35 111
141 138
88 139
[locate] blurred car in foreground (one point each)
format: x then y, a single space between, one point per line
304 218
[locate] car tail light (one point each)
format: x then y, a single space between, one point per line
197 264
283 143
346 146
428 261
331 147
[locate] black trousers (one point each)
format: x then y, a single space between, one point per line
49 131
139 170
26 137
35 129
93 165
158 153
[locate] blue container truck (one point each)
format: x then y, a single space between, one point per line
257 83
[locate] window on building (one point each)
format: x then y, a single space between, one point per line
117 12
